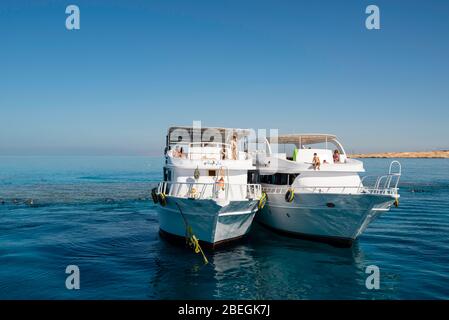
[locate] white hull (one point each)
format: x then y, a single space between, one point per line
327 217
210 222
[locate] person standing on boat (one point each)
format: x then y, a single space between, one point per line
234 147
316 162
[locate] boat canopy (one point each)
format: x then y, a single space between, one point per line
302 139
186 134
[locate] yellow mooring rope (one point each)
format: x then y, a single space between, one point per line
396 202
191 239
262 201
195 244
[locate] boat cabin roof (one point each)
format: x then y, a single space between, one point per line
301 139
186 133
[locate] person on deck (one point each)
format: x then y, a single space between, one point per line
234 147
336 156
175 152
316 162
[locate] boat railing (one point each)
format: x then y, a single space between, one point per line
212 144
311 189
382 185
208 150
194 190
329 189
254 191
213 151
386 184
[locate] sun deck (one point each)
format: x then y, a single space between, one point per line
296 152
207 144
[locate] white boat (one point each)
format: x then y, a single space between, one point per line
329 203
207 189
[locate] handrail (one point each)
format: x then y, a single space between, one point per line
203 144
383 185
217 155
388 181
398 165
330 190
209 190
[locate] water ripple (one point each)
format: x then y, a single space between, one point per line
97 213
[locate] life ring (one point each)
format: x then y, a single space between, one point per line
262 201
289 195
154 195
162 199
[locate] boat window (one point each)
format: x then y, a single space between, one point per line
253 176
265 179
167 174
281 178
278 178
292 177
212 173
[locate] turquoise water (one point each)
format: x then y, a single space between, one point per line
96 213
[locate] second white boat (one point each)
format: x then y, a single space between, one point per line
317 192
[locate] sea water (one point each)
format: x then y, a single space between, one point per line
96 213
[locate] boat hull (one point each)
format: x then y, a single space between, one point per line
332 218
212 223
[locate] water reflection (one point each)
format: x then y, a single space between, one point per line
267 266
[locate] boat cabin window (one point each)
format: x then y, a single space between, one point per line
265 179
167 174
212 173
292 177
253 176
279 178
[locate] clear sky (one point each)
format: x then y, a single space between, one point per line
136 67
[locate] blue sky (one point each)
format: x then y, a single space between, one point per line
136 67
